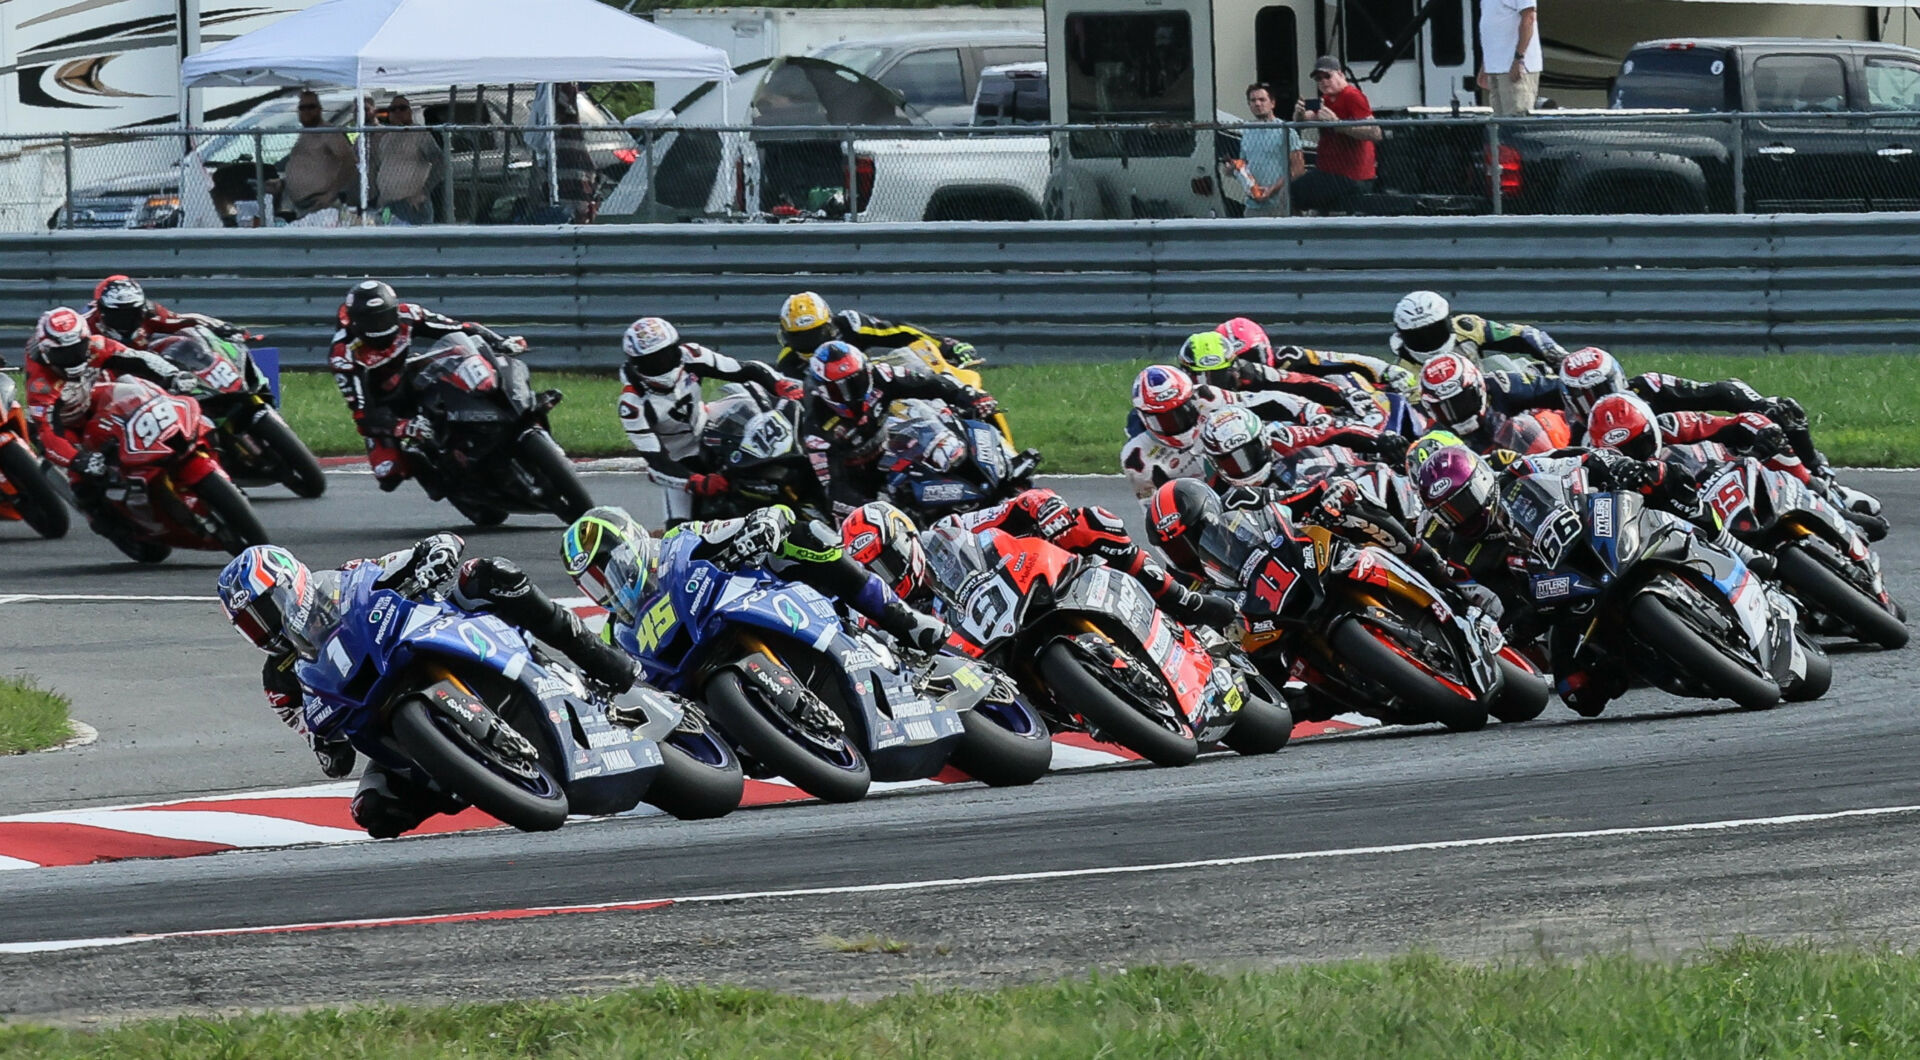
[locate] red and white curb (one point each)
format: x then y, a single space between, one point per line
318 814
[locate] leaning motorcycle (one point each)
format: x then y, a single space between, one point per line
1640 592
1088 645
938 464
163 479
27 489
466 704
921 357
1822 559
802 694
492 451
254 442
1360 631
753 438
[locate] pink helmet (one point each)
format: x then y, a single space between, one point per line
1246 337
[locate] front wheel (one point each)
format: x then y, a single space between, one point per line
1819 675
239 527
1428 696
1004 746
565 496
1261 728
39 504
836 775
1116 719
1824 588
523 795
699 777
1656 624
299 468
1523 693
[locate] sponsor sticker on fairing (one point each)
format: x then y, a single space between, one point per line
1552 588
1603 516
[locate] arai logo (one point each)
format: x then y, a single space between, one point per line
1438 488
1616 437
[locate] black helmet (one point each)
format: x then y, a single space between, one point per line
123 305
372 311
1178 512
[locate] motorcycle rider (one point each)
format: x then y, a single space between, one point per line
287 610
1424 325
1459 395
1242 448
122 311
1248 342
370 349
807 323
662 410
1163 429
613 559
843 419
1209 357
1091 531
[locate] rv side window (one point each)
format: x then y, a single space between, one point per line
1276 53
1371 25
1447 26
1127 68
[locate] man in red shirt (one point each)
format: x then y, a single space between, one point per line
1344 168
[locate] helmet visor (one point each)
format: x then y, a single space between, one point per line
260 622
1462 411
124 318
1428 339
374 322
846 392
1245 463
1641 446
657 363
67 357
810 339
1173 422
1465 510
1583 395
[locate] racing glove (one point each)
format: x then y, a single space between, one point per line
916 629
984 405
184 383
419 428
230 331
437 560
964 355
707 485
789 389
1784 411
91 464
1391 447
1050 515
1209 609
335 756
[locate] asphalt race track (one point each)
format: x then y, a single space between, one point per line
1663 825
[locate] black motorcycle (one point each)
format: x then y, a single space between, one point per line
753 438
254 443
492 452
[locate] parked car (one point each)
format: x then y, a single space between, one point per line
494 169
936 73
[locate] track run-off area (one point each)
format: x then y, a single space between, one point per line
1660 826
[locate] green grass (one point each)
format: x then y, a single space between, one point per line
31 717
1748 1001
1865 409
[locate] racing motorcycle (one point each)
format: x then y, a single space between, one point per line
255 444
825 703
468 705
1363 632
1088 645
163 478
1641 593
1821 558
938 464
753 437
492 451
922 357
27 489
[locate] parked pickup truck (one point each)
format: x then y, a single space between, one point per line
1801 156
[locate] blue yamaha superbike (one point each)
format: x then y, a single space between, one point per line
831 707
464 703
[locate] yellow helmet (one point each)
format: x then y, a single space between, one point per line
806 322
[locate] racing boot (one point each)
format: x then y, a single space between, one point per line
388 804
915 629
499 586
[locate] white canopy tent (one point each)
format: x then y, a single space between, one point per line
358 43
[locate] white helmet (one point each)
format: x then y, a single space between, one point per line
1422 325
652 347
1237 442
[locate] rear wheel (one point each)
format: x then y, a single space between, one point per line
1523 694
1116 719
995 754
565 496
1262 728
1371 651
239 526
1655 623
34 496
524 795
299 468
699 777
838 774
1823 587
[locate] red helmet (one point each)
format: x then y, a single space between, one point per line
1178 512
1163 395
1453 391
63 341
1587 375
882 539
1626 423
1246 338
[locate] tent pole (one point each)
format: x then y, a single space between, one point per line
553 146
360 122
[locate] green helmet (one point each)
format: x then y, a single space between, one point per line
611 557
1428 444
1206 351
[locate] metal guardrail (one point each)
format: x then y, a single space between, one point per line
1041 290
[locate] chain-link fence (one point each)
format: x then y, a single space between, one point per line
1439 163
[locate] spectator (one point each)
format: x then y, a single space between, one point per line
1343 170
1266 151
575 164
405 162
319 172
1509 28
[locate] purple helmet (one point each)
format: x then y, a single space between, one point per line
1458 486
